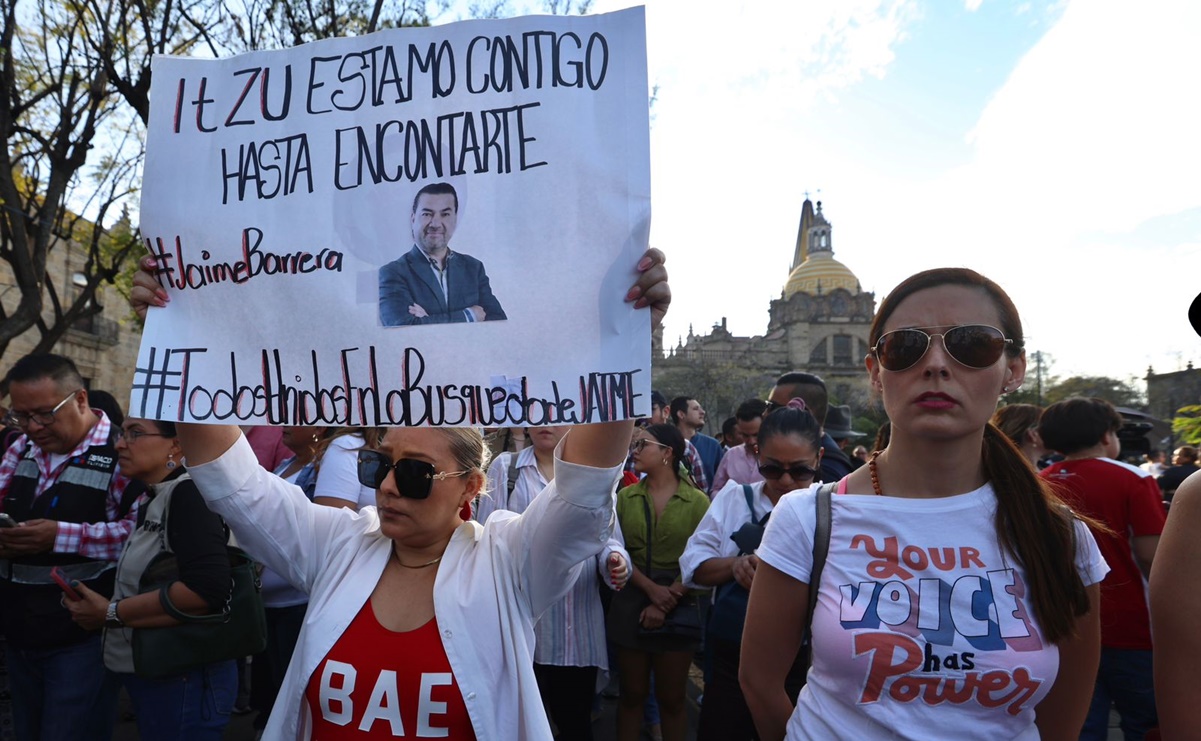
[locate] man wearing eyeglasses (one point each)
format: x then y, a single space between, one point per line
811 388
59 481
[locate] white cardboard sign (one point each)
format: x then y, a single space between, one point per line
283 193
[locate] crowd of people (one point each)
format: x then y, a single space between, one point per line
975 573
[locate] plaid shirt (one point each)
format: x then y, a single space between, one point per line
102 541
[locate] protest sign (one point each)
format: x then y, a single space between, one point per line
283 194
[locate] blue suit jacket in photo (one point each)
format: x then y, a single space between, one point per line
410 280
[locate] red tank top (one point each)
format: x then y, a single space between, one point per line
375 683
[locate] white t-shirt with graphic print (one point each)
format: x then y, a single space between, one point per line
923 628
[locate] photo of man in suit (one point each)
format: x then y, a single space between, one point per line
432 284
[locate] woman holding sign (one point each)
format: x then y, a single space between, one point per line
959 597
419 624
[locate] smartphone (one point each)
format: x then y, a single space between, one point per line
6 520
65 584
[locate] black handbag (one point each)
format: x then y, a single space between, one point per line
240 629
685 620
728 614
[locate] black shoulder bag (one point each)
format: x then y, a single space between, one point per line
728 614
685 620
238 630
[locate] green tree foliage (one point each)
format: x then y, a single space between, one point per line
57 164
1039 380
1187 424
1116 392
719 386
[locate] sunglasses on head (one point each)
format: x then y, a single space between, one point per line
797 472
971 345
414 478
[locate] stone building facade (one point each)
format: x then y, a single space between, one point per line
819 324
103 346
1167 392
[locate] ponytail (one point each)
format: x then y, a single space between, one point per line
1039 530
668 435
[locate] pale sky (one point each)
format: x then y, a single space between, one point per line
1050 145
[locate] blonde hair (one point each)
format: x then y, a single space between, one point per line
372 437
468 448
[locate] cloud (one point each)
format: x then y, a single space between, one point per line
797 50
1090 144
729 155
1086 150
1099 110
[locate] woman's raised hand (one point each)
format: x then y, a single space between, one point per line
146 291
651 289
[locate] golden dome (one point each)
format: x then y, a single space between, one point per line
814 269
820 273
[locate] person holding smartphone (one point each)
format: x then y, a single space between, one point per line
172 518
60 482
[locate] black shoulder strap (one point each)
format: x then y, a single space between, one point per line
133 490
166 523
646 505
821 546
750 501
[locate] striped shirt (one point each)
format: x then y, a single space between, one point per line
572 631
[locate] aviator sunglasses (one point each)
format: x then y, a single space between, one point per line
797 471
971 345
414 478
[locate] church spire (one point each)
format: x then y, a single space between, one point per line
802 236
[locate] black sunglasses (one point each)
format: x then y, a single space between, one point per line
971 345
797 472
414 478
